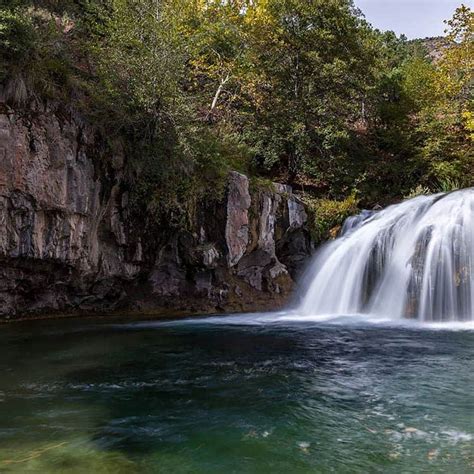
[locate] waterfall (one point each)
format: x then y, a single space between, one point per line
410 260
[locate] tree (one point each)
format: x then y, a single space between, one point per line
314 63
447 121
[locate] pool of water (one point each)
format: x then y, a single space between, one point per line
228 395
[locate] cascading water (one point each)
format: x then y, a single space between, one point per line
411 260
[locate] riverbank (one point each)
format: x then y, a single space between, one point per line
72 239
157 314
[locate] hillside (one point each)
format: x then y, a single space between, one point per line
123 121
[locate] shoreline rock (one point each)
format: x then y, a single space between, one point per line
68 242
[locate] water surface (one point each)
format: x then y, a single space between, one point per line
223 395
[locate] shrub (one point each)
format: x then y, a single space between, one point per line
17 39
326 216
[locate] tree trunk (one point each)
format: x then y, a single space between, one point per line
218 92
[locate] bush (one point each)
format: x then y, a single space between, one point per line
17 41
327 216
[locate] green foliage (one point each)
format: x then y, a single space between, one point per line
35 58
303 92
17 39
259 184
421 125
141 58
327 216
17 48
309 86
449 184
446 121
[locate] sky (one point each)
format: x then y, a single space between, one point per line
414 18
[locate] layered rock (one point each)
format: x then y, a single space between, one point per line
68 240
61 237
246 255
237 222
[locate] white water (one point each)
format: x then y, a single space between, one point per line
408 266
412 260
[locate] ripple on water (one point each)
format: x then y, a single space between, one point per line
208 396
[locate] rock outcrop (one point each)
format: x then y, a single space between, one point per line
68 241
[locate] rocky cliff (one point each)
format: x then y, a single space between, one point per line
68 241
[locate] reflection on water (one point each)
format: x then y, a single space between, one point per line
218 395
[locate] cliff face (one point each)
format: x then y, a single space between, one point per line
68 241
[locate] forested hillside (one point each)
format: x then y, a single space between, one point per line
306 93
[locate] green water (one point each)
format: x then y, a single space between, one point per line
85 397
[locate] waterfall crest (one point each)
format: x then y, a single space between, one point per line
411 260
